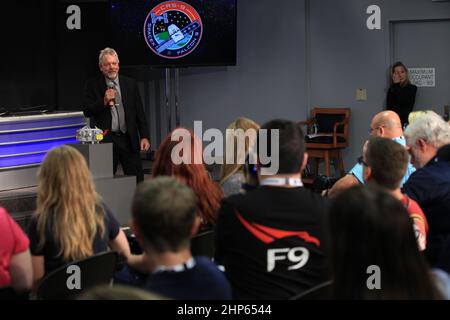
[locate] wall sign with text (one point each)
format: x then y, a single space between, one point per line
422 77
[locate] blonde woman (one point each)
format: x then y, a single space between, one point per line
232 174
71 222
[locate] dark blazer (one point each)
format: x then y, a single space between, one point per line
94 108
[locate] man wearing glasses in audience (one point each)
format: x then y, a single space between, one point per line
385 124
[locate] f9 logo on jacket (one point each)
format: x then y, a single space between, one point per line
298 256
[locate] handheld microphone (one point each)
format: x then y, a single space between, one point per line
112 87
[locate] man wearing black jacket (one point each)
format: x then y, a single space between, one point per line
114 105
429 186
271 240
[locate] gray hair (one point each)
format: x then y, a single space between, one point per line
431 128
106 51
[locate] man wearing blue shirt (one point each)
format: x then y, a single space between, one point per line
385 124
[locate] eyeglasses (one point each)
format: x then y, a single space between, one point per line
362 162
376 128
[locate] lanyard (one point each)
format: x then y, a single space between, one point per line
293 182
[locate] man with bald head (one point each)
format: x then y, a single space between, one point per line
385 124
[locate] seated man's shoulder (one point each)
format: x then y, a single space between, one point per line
207 264
257 195
209 268
416 178
428 181
441 167
440 174
433 172
268 199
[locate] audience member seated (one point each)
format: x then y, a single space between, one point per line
16 270
71 223
385 124
164 218
270 239
241 135
385 163
430 184
190 169
374 253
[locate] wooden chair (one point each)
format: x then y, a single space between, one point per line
327 135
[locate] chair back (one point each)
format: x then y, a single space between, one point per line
61 284
203 244
331 126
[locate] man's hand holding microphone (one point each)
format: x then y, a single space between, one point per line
110 96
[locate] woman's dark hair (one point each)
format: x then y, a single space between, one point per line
369 227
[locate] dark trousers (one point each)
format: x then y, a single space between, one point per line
123 153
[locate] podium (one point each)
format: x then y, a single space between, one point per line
26 139
117 192
24 142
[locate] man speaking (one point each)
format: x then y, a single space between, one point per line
114 105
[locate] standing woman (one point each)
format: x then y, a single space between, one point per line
71 223
401 94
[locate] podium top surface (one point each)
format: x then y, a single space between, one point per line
39 116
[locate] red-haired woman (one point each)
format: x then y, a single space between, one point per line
180 155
